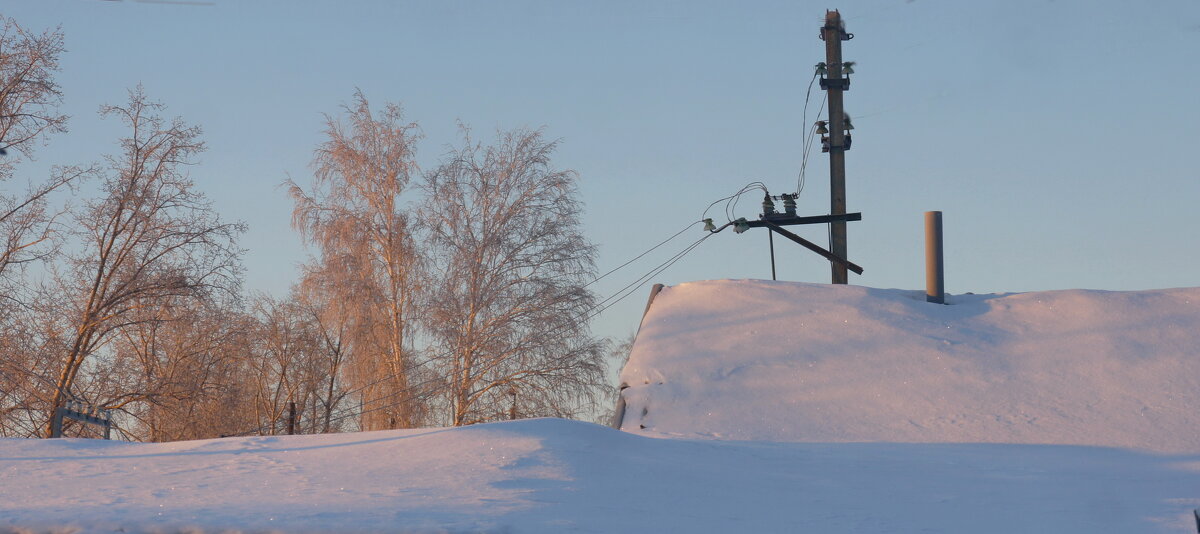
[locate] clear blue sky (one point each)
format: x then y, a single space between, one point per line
1059 138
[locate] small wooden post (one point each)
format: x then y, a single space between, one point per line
512 412
291 417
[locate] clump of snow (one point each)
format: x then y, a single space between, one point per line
550 476
782 361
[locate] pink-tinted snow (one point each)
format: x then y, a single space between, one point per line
1064 412
551 476
784 361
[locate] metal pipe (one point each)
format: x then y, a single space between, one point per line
935 276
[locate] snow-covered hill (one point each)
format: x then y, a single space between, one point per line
782 361
1064 412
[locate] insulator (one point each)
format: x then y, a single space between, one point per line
740 225
768 205
789 204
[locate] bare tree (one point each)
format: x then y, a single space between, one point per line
29 346
179 375
282 361
29 102
29 96
508 309
149 240
321 298
353 213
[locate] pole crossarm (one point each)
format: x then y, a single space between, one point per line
784 220
833 258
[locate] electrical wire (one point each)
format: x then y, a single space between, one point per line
731 206
812 131
807 95
804 120
748 187
662 267
641 281
639 256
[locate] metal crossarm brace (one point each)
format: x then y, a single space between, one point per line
813 247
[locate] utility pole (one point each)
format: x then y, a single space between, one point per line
833 33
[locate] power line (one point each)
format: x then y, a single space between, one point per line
641 281
812 131
639 256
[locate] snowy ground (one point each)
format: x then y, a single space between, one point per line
768 407
551 475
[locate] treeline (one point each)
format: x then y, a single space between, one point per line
448 296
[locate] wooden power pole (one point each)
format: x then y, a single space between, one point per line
833 33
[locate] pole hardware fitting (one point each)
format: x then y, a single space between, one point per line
827 147
845 36
842 84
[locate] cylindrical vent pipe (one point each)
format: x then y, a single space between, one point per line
935 279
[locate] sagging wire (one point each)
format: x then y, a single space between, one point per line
651 249
731 200
640 281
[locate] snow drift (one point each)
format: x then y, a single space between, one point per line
781 361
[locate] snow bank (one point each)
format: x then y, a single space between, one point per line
781 361
549 476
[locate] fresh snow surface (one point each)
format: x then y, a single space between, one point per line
768 407
784 361
550 475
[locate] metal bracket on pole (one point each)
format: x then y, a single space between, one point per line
835 83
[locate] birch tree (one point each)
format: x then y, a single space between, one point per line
150 238
353 214
507 306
